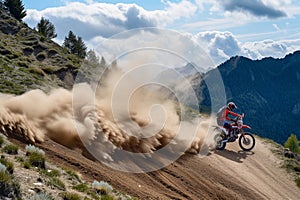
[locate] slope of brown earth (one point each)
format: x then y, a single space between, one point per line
228 174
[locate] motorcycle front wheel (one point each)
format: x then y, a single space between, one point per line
247 142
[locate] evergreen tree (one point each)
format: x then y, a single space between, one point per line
46 28
92 57
15 8
75 45
80 48
292 143
70 41
103 61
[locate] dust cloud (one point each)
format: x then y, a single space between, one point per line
104 118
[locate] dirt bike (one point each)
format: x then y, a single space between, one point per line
246 139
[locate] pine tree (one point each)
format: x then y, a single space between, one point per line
92 57
70 41
15 8
46 28
80 48
103 61
292 143
75 45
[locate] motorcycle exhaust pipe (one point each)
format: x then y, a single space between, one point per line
224 141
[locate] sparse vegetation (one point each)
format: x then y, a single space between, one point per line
70 196
102 187
292 143
82 187
9 165
107 197
41 196
298 182
31 149
11 149
26 165
50 173
1 140
37 159
291 161
57 183
8 186
73 175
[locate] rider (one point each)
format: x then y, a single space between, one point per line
223 118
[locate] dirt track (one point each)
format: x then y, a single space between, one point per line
228 174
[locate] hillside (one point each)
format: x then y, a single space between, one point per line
228 174
266 90
29 61
27 176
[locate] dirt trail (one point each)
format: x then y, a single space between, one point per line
228 174
259 170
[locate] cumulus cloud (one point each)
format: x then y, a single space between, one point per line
103 19
270 48
219 45
254 7
223 45
257 8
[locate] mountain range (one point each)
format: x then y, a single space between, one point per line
266 90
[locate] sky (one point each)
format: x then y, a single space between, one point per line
251 28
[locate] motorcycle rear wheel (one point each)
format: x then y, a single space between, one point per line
219 137
247 142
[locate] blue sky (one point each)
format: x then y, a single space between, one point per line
255 28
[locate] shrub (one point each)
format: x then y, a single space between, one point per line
26 165
2 168
8 187
292 143
298 182
19 159
50 173
73 175
37 159
41 196
70 196
56 183
31 148
11 149
9 165
102 187
107 197
82 187
1 140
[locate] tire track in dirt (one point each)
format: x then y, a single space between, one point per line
212 177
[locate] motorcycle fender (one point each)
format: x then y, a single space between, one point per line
245 126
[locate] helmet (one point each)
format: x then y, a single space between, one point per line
231 106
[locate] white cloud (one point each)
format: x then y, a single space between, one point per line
219 45
223 45
270 48
93 19
152 45
95 22
276 27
